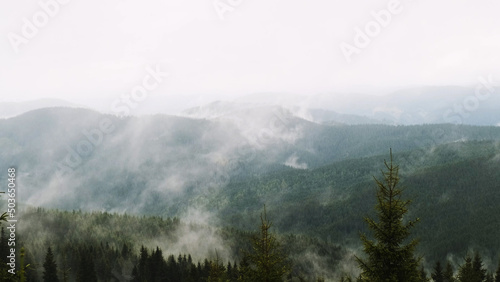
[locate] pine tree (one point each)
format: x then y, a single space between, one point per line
245 273
438 275
234 274
4 250
142 265
50 267
266 262
135 274
22 270
217 270
466 272
86 270
65 270
497 274
478 269
125 251
423 275
158 267
389 259
343 278
448 273
489 278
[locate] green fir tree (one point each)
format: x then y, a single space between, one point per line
478 268
497 274
266 261
437 273
50 267
466 272
448 273
389 258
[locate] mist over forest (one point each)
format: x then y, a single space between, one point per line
249 141
197 183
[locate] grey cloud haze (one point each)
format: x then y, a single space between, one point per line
91 52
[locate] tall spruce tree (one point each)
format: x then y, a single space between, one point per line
389 258
50 267
478 268
4 247
266 261
466 272
423 275
497 274
437 274
65 269
22 270
86 270
448 273
217 270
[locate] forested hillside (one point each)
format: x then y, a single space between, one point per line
452 186
109 246
196 188
154 164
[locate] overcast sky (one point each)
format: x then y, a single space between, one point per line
91 52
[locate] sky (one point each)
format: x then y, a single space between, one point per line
94 52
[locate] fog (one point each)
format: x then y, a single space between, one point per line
90 53
248 85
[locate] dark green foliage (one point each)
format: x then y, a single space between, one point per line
497 274
114 255
448 273
232 272
423 275
4 250
472 270
154 267
86 268
389 258
465 272
135 274
438 180
266 262
50 268
344 278
478 268
437 273
217 271
489 278
22 271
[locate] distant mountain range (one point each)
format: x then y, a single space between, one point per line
12 109
136 159
422 105
231 160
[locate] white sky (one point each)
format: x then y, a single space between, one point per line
91 51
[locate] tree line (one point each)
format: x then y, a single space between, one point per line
389 255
